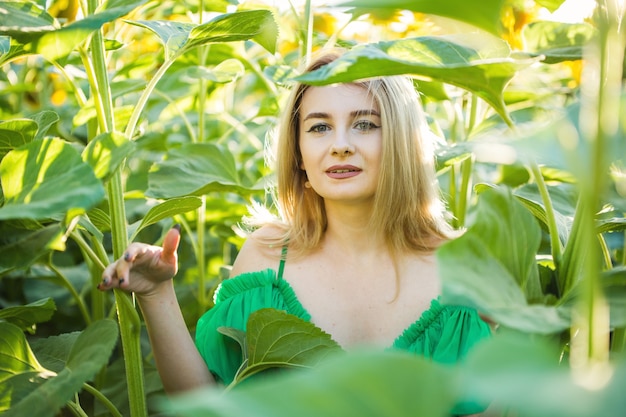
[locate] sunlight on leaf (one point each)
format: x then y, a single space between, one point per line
45 178
173 35
484 71
486 17
258 25
557 41
106 152
24 21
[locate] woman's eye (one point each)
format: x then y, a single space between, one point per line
365 125
319 128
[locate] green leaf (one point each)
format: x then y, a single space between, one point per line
169 208
20 371
42 34
88 355
106 152
5 44
556 41
492 266
194 169
224 72
24 20
15 356
564 199
15 51
52 352
100 219
486 17
551 5
524 375
173 35
276 339
57 44
44 120
46 178
15 133
364 384
20 248
257 25
25 316
480 64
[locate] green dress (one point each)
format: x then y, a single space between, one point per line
443 333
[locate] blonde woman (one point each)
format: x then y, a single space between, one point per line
352 250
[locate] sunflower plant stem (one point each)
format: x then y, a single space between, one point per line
68 285
464 191
599 125
555 241
201 220
127 315
103 399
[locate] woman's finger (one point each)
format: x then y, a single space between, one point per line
170 245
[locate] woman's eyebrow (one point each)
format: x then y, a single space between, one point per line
355 113
316 115
368 112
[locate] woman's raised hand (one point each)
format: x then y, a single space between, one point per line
144 267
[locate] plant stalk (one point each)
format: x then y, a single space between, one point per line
127 315
555 241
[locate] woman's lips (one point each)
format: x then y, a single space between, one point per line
343 171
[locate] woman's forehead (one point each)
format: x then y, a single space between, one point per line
338 97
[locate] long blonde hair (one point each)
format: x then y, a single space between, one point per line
407 212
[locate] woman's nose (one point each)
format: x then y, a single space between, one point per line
341 146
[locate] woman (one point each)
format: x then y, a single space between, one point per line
352 251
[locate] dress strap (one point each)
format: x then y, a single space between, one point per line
283 258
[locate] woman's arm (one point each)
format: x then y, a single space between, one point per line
148 271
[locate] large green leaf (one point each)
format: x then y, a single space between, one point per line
28 24
556 41
486 17
480 64
25 316
492 266
15 133
363 384
194 169
275 339
45 178
258 25
19 248
88 354
59 43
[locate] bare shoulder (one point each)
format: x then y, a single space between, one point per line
258 251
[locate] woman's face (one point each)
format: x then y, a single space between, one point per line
341 142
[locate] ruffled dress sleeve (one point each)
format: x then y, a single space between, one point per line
445 334
235 300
